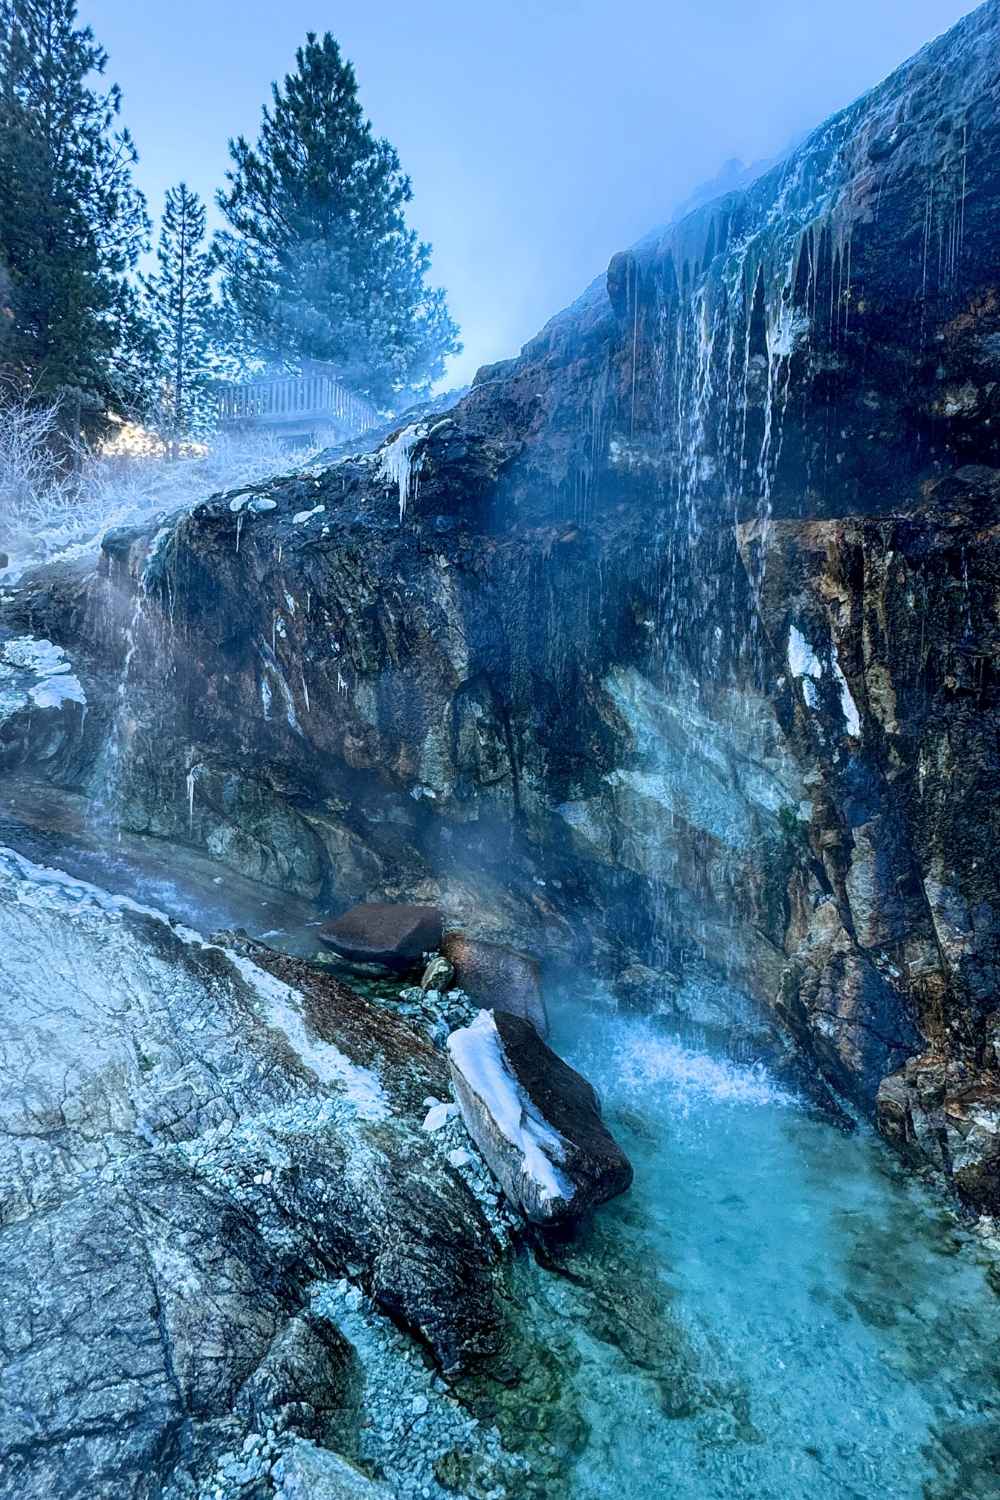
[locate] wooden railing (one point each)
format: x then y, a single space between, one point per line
296 398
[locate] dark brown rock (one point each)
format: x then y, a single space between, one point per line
498 978
394 935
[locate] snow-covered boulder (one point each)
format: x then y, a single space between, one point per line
535 1119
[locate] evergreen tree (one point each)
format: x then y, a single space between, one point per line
180 310
71 222
318 260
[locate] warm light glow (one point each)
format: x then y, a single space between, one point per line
132 440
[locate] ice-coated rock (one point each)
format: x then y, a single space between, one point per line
438 975
535 1119
189 1132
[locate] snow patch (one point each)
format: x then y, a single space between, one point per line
477 1053
59 684
302 516
280 1006
802 659
55 691
438 1115
806 667
848 707
34 655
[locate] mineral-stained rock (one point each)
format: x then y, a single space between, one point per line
945 1113
394 935
535 1119
564 688
192 1134
498 978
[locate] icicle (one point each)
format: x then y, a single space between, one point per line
191 778
396 464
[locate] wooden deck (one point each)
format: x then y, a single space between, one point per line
308 404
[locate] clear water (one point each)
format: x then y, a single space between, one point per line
833 1320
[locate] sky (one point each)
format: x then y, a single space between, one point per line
540 135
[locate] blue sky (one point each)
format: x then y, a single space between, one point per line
541 135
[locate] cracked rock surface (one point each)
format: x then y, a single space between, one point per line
193 1138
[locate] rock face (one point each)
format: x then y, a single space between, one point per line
535 1119
395 936
195 1138
537 677
498 978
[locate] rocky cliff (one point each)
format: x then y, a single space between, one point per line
671 649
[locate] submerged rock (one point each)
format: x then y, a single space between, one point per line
305 1472
535 1119
499 978
394 935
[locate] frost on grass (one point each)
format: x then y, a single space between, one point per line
49 514
478 1056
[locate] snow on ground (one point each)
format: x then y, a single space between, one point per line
56 682
278 1005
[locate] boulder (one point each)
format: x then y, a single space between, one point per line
439 975
394 935
308 1472
535 1119
499 978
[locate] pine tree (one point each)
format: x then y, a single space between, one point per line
180 309
71 222
318 260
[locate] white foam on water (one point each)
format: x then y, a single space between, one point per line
688 1078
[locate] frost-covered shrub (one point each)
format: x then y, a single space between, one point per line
57 503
